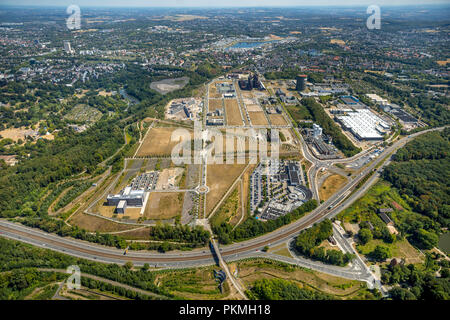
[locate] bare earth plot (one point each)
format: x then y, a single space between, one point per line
258 118
219 179
91 223
331 185
277 119
169 85
213 92
214 104
232 112
164 205
252 107
158 143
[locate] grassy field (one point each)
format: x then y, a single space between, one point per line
277 120
164 205
331 185
246 188
91 223
229 209
158 142
198 284
253 270
219 179
232 112
258 118
399 249
299 112
379 195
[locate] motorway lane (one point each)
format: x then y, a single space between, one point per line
196 257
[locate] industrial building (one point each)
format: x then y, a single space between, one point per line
214 122
133 198
135 194
364 124
320 142
350 100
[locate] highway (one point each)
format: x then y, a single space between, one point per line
201 257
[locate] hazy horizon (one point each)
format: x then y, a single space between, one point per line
207 3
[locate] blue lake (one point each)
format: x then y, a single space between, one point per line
249 45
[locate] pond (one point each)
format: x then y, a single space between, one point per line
249 45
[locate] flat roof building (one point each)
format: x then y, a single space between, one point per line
364 124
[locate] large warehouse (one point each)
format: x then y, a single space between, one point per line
364 124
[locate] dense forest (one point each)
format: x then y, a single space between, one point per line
308 241
421 173
53 161
330 128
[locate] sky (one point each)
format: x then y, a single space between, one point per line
216 3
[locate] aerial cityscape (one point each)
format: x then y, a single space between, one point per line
243 152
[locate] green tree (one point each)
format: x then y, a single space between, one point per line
365 235
380 253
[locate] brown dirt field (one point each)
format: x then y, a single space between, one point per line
14 133
164 205
104 93
213 92
258 118
214 104
158 142
232 112
140 234
247 94
219 179
253 107
277 119
330 186
93 224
